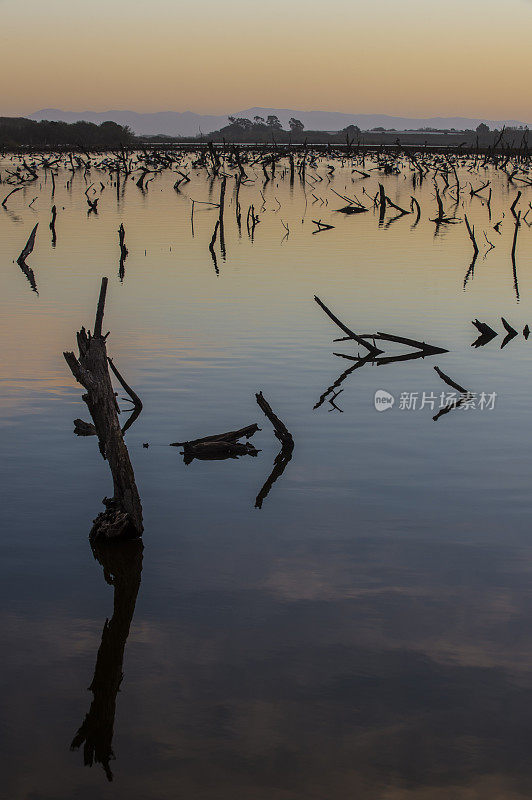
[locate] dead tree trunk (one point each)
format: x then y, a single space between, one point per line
283 457
123 515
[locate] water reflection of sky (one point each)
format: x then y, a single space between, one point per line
366 631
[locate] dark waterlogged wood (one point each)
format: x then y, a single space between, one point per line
280 429
28 247
486 333
230 436
220 446
6 198
350 334
465 395
21 260
82 428
52 225
285 454
123 515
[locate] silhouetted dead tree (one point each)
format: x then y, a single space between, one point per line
6 198
211 246
465 395
486 333
514 245
374 351
415 205
52 225
93 204
123 251
21 260
471 232
285 454
123 515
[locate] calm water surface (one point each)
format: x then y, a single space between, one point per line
368 631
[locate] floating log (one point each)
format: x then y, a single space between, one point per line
219 446
218 450
230 436
351 210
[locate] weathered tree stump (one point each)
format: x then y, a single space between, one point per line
123 514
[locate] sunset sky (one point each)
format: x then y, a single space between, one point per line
407 57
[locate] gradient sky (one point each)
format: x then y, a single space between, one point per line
410 57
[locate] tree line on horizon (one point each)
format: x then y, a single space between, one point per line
22 132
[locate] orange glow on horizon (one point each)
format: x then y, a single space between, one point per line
411 58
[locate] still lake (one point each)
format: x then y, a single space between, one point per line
367 632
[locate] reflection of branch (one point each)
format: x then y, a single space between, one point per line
279 465
122 565
333 405
378 362
135 399
82 428
358 363
471 271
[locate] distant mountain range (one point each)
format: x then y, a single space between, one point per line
187 123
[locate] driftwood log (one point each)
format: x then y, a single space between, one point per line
220 445
123 514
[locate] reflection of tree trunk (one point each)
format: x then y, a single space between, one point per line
122 568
